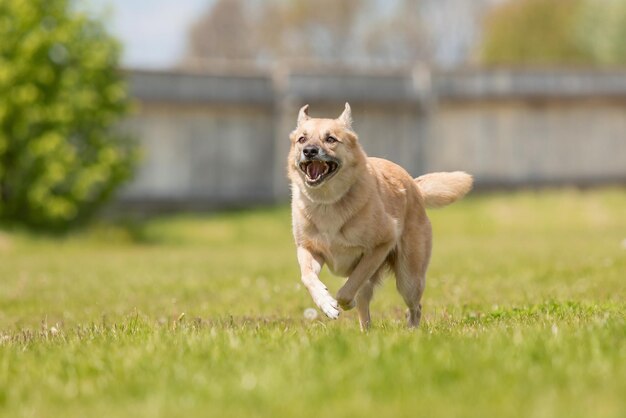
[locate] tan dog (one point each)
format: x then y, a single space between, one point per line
360 215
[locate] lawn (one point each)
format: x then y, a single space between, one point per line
203 315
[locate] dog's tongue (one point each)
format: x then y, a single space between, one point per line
315 169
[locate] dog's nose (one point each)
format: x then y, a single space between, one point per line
310 151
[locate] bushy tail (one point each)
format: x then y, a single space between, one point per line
441 189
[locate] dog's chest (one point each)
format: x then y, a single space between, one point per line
342 260
340 254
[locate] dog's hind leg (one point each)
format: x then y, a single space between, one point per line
363 299
411 291
410 270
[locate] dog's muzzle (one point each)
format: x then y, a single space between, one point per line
318 169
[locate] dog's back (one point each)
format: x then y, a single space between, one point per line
436 189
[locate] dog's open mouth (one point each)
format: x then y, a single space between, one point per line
316 171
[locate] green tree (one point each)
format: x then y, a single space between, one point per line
602 31
534 32
556 32
60 96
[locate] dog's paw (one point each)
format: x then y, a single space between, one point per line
346 302
327 304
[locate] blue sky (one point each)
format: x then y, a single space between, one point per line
153 31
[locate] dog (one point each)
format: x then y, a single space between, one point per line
360 216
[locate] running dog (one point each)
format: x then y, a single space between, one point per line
360 216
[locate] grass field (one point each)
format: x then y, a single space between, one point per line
524 315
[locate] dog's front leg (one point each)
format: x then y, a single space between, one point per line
310 267
366 268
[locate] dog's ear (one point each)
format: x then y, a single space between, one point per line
346 117
303 114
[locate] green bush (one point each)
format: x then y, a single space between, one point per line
556 32
60 96
602 31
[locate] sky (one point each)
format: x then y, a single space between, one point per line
153 32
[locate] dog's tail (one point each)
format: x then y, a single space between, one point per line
441 189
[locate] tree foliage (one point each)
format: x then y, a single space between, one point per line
60 95
602 31
556 32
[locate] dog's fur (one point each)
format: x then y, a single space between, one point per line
360 215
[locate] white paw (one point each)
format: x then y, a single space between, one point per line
327 304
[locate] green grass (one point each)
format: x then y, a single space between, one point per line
524 315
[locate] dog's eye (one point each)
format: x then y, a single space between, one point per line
301 140
331 139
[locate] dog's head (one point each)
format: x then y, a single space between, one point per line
324 154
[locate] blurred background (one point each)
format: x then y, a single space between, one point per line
517 92
132 108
